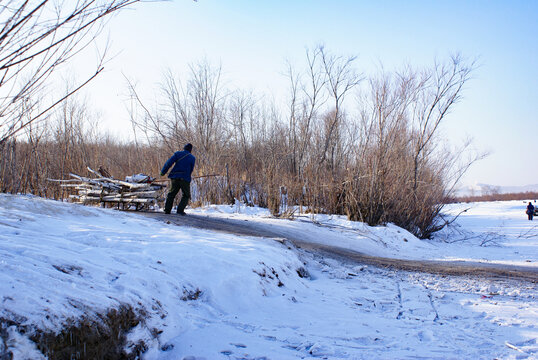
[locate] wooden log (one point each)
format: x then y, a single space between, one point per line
96 182
115 181
63 181
115 199
145 194
102 190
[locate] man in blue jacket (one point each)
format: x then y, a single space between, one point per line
180 177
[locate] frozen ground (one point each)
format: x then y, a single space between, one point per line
259 299
494 233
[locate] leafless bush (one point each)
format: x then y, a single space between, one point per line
400 173
68 143
384 164
378 159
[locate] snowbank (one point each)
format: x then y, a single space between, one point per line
495 233
209 295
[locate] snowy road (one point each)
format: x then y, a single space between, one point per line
308 241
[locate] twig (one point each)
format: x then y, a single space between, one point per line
528 234
514 347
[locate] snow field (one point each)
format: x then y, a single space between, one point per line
219 296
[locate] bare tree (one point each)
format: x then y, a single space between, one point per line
402 173
341 79
306 98
244 116
438 91
380 149
37 37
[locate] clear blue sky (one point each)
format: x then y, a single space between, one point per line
252 40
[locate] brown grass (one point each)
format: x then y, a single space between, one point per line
525 196
96 337
380 164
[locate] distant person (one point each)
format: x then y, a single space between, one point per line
530 210
180 177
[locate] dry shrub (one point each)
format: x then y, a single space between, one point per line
383 163
98 337
102 337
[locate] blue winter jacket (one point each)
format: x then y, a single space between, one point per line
184 165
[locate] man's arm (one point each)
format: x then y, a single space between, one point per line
168 164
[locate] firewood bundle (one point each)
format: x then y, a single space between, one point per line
138 191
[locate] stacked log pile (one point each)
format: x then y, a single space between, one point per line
137 192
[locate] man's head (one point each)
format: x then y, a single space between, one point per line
188 147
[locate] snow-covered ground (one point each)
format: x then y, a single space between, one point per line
211 295
494 232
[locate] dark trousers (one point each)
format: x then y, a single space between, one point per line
176 185
530 215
